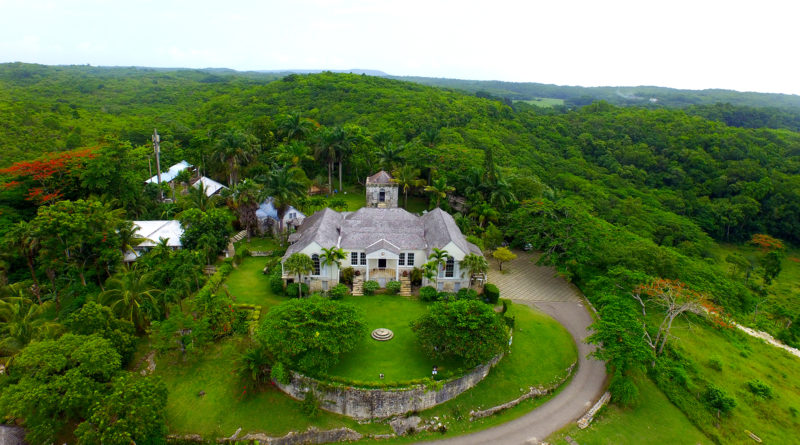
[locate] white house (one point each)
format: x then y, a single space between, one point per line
381 244
210 186
170 174
267 216
153 231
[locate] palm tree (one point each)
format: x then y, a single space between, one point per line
475 264
439 189
292 127
430 271
128 294
22 239
293 154
346 139
407 178
198 198
438 258
235 147
325 150
332 255
244 199
390 155
285 187
22 320
500 193
299 264
483 213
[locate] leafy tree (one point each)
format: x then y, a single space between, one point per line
22 239
407 177
483 213
244 199
503 255
671 296
299 264
391 155
23 320
292 154
284 186
235 147
310 334
55 382
439 189
181 331
133 412
93 318
772 265
466 329
208 231
293 126
492 237
129 294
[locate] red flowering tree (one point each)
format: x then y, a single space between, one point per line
46 179
671 296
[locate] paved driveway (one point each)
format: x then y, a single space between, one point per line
538 287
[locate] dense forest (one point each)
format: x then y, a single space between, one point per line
614 196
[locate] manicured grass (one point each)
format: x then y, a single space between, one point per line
229 403
356 198
654 420
248 284
258 244
399 359
545 102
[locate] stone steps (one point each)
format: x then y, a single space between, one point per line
405 287
358 285
239 236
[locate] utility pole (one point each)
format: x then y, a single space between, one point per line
157 150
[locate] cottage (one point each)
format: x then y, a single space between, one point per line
381 244
267 216
210 186
171 174
152 232
382 192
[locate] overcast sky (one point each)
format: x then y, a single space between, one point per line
742 45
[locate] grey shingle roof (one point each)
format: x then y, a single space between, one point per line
371 229
380 178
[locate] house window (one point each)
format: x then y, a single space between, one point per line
382 196
315 261
410 259
402 260
292 215
449 267
354 258
363 259
381 263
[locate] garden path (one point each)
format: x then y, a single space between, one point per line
538 287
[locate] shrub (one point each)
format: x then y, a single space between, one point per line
291 289
278 253
370 287
276 284
716 398
760 389
467 294
393 287
445 296
416 276
269 266
338 292
346 276
280 374
715 363
623 391
428 293
491 293
310 405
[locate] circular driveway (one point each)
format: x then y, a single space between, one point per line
538 287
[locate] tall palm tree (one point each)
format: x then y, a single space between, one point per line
407 178
391 155
439 189
284 186
235 147
22 239
244 199
198 198
299 264
128 294
325 150
332 255
475 264
294 127
346 138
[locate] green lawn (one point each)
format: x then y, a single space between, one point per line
399 359
258 244
247 284
356 198
545 102
654 420
229 403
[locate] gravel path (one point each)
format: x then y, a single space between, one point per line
536 286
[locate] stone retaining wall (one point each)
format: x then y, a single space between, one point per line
362 404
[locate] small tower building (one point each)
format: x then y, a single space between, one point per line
381 191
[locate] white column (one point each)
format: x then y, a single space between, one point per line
396 270
367 279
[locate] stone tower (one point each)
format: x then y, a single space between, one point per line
381 191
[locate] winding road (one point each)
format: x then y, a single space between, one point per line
538 287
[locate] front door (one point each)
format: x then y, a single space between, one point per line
381 263
382 196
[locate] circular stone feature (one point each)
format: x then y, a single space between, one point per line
382 334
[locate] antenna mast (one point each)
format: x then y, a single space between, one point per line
157 150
